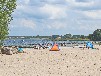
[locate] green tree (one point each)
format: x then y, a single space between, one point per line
96 36
90 36
6 9
82 37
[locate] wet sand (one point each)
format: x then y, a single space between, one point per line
66 62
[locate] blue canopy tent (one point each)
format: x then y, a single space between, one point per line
20 49
89 45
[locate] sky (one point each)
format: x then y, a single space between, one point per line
55 17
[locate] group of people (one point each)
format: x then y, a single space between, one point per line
42 46
15 49
11 50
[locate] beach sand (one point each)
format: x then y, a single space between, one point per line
66 62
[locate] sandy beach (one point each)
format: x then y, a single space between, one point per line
66 62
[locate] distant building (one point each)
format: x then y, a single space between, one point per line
58 38
15 37
76 36
19 37
99 29
55 36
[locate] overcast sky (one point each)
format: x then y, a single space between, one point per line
48 17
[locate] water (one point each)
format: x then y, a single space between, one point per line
24 42
29 42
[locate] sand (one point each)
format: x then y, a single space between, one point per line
66 62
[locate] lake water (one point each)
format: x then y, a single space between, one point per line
24 42
27 42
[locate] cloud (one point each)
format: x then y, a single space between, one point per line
25 23
54 11
28 23
82 0
56 24
59 16
82 3
60 2
93 14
